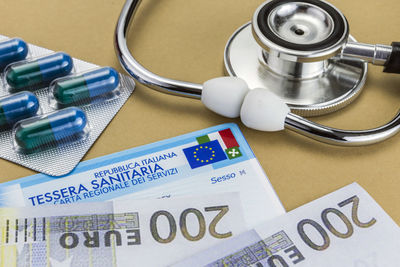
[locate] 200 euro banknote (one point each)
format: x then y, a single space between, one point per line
152 232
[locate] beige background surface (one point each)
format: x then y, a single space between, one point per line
184 39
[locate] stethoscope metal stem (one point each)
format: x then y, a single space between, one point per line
134 68
339 137
375 54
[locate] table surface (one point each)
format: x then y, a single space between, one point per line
185 39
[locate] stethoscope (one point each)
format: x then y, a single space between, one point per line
299 57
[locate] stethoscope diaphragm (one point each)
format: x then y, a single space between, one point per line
290 49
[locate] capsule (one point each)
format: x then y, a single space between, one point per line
12 51
17 107
64 126
86 87
38 72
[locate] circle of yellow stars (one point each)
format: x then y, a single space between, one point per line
204 160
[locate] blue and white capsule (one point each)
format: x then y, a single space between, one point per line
64 126
17 107
38 72
86 87
12 50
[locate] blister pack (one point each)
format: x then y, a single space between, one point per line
53 107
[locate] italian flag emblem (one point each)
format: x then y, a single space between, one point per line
226 140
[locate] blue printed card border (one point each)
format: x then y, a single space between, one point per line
144 150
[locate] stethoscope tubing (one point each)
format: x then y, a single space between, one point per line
340 137
136 70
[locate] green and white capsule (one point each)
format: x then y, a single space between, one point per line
86 87
64 126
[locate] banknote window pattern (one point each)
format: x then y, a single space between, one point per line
255 252
36 229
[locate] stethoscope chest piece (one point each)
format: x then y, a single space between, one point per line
293 48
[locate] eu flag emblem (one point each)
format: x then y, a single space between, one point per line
204 154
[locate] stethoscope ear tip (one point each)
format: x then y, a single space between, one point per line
224 95
264 111
258 108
